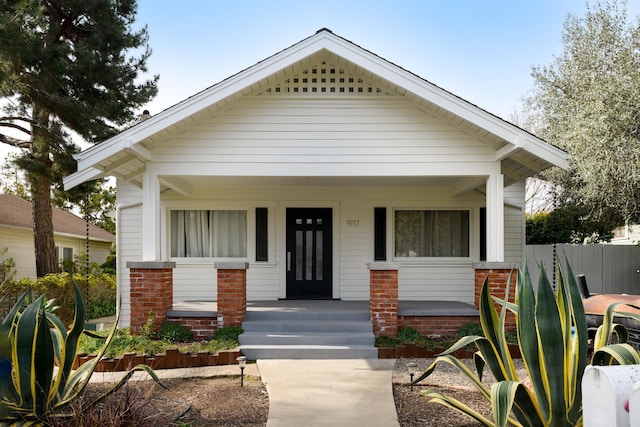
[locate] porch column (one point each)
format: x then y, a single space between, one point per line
495 218
232 292
383 297
151 217
151 292
497 275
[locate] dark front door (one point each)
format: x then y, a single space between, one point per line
309 253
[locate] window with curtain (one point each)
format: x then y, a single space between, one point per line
209 233
431 233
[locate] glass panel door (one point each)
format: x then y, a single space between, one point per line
309 253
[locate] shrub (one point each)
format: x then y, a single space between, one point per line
174 332
409 334
552 337
148 330
471 328
385 341
228 333
101 293
101 308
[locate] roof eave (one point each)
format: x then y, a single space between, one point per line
130 138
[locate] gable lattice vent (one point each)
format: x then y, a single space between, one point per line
327 79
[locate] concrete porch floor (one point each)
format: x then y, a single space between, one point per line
405 308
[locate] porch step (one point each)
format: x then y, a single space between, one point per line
307 335
308 338
255 352
302 326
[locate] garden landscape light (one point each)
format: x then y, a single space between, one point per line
242 362
412 367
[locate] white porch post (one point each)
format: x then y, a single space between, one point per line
150 218
495 218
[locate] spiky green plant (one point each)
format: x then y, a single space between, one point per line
41 382
552 336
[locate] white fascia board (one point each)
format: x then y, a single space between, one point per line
548 152
79 177
94 155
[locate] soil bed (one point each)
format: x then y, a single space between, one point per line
222 402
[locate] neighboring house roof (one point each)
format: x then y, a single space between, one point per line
17 213
520 153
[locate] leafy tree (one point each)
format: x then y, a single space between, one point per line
66 66
566 224
588 103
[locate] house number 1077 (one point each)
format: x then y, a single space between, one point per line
353 222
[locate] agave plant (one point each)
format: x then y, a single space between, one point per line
41 382
552 337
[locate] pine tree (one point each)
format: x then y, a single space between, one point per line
66 66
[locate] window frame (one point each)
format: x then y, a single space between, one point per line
249 208
471 239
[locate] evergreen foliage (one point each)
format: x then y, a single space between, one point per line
67 66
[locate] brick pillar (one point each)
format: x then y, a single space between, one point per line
498 277
232 293
383 298
151 291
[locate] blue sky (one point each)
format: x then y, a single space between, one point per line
480 50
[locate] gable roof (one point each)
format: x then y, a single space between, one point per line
521 153
16 212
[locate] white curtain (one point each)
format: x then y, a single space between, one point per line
432 233
202 233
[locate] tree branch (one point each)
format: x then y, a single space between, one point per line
13 125
14 142
23 119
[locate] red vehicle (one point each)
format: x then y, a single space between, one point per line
596 305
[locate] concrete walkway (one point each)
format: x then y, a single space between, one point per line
329 392
345 392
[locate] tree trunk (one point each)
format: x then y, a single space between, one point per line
45 247
40 182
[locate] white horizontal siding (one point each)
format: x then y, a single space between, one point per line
355 252
436 282
263 282
194 282
19 246
322 131
98 251
129 241
514 224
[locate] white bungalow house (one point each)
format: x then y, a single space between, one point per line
321 172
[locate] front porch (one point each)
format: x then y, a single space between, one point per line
430 318
152 292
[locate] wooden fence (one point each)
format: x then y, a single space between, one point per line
609 269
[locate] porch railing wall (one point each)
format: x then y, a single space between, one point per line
609 269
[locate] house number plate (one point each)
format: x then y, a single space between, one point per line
353 222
